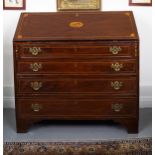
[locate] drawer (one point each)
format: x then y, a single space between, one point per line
65 108
98 67
37 51
113 85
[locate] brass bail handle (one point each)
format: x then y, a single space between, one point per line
35 67
117 107
116 66
36 85
36 107
115 49
35 50
116 85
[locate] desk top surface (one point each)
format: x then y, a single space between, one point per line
76 26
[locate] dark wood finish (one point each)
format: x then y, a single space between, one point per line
22 125
76 108
96 26
140 4
15 8
74 51
87 73
70 85
80 67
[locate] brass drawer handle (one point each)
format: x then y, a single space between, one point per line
35 50
116 85
117 107
36 85
116 66
35 67
36 107
115 49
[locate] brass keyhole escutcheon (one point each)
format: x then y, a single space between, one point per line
115 49
116 66
36 85
36 107
35 67
116 85
35 50
117 107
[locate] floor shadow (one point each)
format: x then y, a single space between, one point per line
145 118
9 119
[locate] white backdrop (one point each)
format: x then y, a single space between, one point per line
143 17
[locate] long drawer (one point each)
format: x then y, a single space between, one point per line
42 51
77 108
78 85
92 67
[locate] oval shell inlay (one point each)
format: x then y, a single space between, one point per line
76 24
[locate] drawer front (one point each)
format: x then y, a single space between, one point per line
37 51
75 85
121 66
65 108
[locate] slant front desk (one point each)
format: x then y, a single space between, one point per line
77 66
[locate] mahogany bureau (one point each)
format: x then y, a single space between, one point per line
76 66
